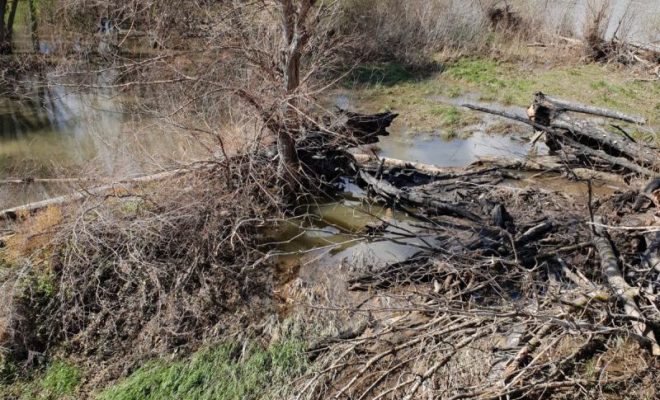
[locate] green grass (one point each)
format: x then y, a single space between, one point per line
225 372
59 381
509 83
387 74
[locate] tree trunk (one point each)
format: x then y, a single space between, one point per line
288 161
3 40
10 23
34 25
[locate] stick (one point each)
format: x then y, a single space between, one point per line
11 214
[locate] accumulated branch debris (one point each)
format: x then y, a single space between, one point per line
130 277
161 265
528 293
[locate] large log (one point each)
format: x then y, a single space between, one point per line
560 105
412 197
615 145
122 186
617 161
547 114
617 282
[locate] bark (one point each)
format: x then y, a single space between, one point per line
34 25
618 284
614 145
3 9
10 22
295 38
563 105
617 161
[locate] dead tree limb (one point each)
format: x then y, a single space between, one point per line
594 136
615 279
561 105
14 213
389 191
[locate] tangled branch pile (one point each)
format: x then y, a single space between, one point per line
133 276
527 294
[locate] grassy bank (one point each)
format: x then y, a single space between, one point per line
421 96
228 371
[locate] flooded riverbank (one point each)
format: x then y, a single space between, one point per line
51 129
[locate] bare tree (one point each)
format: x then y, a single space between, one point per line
295 15
297 45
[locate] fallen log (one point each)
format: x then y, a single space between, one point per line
618 161
389 191
620 288
547 115
428 169
14 213
30 180
560 105
593 136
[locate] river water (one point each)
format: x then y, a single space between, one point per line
53 130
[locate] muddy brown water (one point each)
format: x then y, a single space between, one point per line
55 130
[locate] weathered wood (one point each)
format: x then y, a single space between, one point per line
428 169
561 105
534 233
615 145
389 191
532 122
615 279
27 181
617 161
364 127
14 213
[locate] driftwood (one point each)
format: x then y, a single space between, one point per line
618 284
559 105
584 138
415 198
120 187
431 170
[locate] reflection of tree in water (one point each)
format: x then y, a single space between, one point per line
20 115
53 129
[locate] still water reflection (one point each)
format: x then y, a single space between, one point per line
49 129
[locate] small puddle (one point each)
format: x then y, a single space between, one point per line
444 148
455 152
576 189
330 241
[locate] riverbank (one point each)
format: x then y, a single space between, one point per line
452 254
